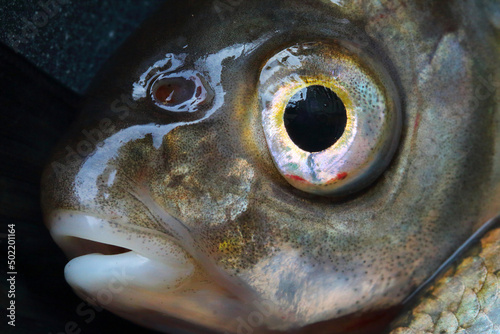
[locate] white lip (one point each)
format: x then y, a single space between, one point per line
95 272
152 262
154 281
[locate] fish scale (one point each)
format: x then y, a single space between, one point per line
465 300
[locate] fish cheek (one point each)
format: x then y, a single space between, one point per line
206 182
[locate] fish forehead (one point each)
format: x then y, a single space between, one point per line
216 175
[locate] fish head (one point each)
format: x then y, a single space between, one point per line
182 199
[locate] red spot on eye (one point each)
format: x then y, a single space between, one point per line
417 122
296 178
340 176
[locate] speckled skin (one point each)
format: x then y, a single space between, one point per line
465 300
253 237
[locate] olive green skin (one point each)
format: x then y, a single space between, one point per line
314 258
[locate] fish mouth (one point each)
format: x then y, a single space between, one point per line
142 275
115 243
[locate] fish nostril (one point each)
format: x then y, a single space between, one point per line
174 91
181 92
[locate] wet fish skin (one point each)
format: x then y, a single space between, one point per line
315 258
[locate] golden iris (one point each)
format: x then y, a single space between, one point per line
372 128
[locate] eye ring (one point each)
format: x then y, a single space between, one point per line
373 126
279 103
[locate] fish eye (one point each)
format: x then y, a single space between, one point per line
331 117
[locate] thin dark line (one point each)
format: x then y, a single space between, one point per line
488 226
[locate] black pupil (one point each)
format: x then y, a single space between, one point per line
315 118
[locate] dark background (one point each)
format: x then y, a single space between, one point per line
73 44
44 71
